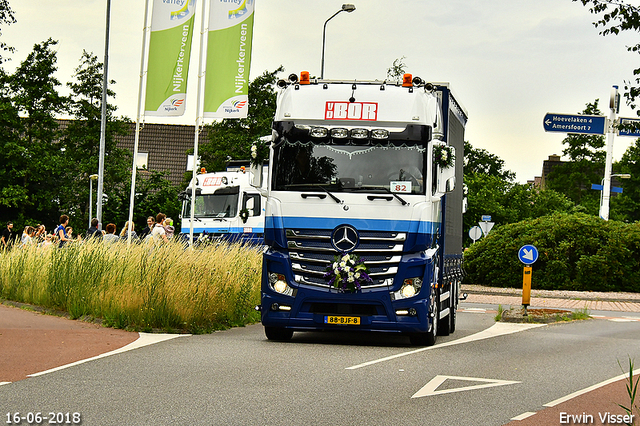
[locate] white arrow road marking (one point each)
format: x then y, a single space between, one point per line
145 339
430 388
498 329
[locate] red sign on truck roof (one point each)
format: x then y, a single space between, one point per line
339 110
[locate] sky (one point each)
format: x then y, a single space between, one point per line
509 62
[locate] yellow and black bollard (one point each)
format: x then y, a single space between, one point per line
526 288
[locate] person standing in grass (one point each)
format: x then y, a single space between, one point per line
6 236
158 234
151 221
124 234
27 236
110 237
93 231
61 231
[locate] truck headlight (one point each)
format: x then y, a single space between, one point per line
278 283
410 287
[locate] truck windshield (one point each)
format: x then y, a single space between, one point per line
342 167
222 203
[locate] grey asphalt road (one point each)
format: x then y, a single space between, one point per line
236 377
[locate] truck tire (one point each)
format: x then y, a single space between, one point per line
428 338
278 334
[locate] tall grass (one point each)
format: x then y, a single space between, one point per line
140 287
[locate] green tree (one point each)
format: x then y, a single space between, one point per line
32 175
6 18
492 191
397 69
481 161
81 142
616 16
232 138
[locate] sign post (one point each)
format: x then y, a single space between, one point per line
528 255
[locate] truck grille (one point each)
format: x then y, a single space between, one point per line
311 253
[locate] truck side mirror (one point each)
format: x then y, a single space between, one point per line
256 175
250 205
447 176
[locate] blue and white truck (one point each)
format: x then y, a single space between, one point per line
227 206
363 226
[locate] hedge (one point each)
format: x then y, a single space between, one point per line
576 252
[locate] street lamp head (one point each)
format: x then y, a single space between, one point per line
348 7
622 175
93 177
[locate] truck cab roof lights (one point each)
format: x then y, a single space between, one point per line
359 133
293 78
380 134
339 133
304 77
319 132
417 81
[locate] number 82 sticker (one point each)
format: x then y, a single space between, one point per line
400 186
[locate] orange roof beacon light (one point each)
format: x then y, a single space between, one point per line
407 80
203 170
304 77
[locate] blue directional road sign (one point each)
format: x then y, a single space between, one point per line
634 133
528 254
589 124
600 188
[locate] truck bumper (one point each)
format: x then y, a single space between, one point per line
313 309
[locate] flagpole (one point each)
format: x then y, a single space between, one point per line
103 116
134 168
199 118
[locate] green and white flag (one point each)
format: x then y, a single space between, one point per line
169 52
226 87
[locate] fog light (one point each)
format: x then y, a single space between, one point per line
285 308
401 312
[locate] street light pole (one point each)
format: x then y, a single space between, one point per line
345 8
103 117
614 105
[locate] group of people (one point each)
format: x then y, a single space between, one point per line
158 229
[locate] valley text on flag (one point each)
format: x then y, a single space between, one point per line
169 52
228 58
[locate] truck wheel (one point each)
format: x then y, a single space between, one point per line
428 338
278 334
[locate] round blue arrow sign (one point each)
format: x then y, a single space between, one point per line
528 254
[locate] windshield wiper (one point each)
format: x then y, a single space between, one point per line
382 188
336 199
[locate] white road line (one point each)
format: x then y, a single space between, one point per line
524 415
585 390
5 383
498 329
145 339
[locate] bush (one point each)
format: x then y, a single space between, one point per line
576 252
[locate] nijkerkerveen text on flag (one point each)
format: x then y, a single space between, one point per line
228 58
170 40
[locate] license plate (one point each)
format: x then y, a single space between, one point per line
342 320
